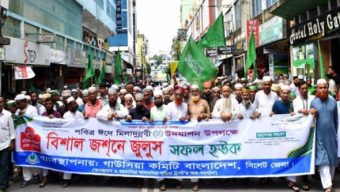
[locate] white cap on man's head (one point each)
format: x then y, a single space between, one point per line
28 98
69 100
266 78
85 92
285 87
194 86
238 86
23 92
158 92
20 97
74 90
112 91
92 90
300 77
149 87
139 96
321 81
123 91
135 88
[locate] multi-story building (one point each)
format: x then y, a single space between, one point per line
125 39
53 37
311 23
142 48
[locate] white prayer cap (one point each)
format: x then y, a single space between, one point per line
85 92
238 86
65 87
41 96
158 92
112 91
28 97
123 91
300 77
276 87
164 84
20 97
321 81
23 92
92 90
139 96
127 96
115 86
69 100
135 88
266 78
194 86
48 90
285 87
74 90
216 89
149 87
10 103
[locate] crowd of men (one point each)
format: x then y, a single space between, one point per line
186 102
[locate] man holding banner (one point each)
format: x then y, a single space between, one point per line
325 109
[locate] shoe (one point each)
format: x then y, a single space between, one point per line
293 186
162 186
25 184
43 183
67 183
195 187
36 179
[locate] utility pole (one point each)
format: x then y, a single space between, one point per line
3 40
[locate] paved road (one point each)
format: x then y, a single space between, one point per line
106 184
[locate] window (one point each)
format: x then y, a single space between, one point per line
257 7
238 14
271 2
11 27
100 3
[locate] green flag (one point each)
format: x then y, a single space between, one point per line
322 65
215 34
118 69
89 69
102 74
194 65
251 55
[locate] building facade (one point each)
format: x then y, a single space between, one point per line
53 38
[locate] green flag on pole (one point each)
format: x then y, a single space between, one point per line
102 74
251 55
118 69
321 63
89 69
215 35
194 65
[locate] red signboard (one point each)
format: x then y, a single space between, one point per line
253 25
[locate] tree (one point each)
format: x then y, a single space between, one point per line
176 48
158 59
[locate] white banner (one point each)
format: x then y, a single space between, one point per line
280 146
23 72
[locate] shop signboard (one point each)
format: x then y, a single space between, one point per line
253 26
26 52
57 56
303 54
211 52
75 58
316 28
271 31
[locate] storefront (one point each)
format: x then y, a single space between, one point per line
25 65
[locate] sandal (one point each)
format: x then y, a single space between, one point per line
329 189
293 186
306 187
195 187
162 186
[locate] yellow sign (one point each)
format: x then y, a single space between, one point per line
173 67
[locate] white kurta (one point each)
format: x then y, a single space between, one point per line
264 103
121 111
6 129
175 112
220 107
300 103
70 115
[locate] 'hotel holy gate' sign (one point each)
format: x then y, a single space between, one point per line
316 28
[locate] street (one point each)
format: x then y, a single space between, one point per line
103 184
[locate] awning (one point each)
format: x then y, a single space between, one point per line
288 9
127 64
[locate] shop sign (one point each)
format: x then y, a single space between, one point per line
316 28
74 58
226 50
109 58
57 56
211 52
303 55
253 25
26 52
271 31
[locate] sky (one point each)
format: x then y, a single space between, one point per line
159 21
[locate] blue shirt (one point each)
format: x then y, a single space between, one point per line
281 107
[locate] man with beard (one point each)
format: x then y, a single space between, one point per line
177 110
246 108
215 95
93 105
207 91
198 108
112 110
75 95
265 98
34 101
326 112
253 90
294 85
226 108
122 94
158 112
147 101
166 96
7 144
238 92
103 94
85 98
139 112
284 105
